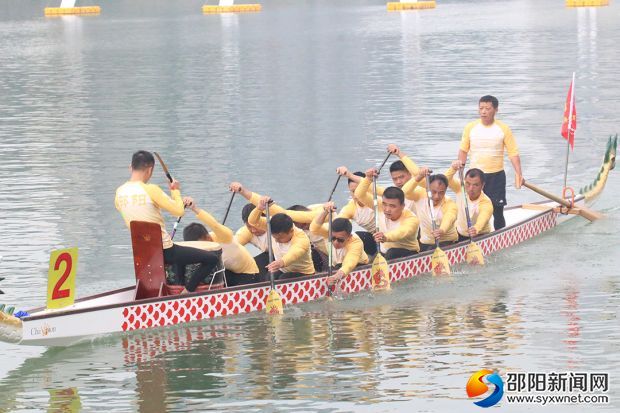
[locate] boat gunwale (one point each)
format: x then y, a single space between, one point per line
264 284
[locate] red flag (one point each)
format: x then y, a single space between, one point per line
570 112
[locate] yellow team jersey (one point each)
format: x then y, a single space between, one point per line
350 255
401 233
445 214
485 145
234 255
361 215
480 210
137 201
295 254
300 217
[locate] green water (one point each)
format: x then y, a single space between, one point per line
277 100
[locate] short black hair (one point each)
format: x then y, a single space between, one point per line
246 211
280 224
342 224
142 160
297 207
194 232
394 192
398 166
490 99
438 177
475 172
358 173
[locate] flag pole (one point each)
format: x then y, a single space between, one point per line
569 128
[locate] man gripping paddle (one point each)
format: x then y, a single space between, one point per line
398 227
480 205
348 250
137 200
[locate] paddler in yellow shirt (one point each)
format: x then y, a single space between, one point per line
291 246
401 172
444 209
356 211
137 200
480 205
398 227
348 250
240 266
302 217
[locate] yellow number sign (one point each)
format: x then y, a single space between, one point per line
61 278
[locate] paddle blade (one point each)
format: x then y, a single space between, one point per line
589 214
474 255
439 263
380 273
274 303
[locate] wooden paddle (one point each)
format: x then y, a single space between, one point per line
380 271
473 254
165 168
274 301
330 258
440 265
585 212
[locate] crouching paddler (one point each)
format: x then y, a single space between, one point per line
240 265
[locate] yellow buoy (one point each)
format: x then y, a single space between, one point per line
59 11
586 3
235 8
418 5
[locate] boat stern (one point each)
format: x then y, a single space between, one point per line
10 328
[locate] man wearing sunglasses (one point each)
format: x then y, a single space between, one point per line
348 250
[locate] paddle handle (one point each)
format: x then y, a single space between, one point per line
384 161
334 189
167 172
269 246
330 256
375 204
466 203
228 208
174 228
429 198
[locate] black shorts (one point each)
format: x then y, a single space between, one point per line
495 188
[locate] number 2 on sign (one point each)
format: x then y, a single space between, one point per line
61 278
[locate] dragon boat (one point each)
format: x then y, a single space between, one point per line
151 303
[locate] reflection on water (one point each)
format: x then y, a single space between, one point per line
277 100
323 352
345 354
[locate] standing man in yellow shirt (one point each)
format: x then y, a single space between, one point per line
485 140
137 200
